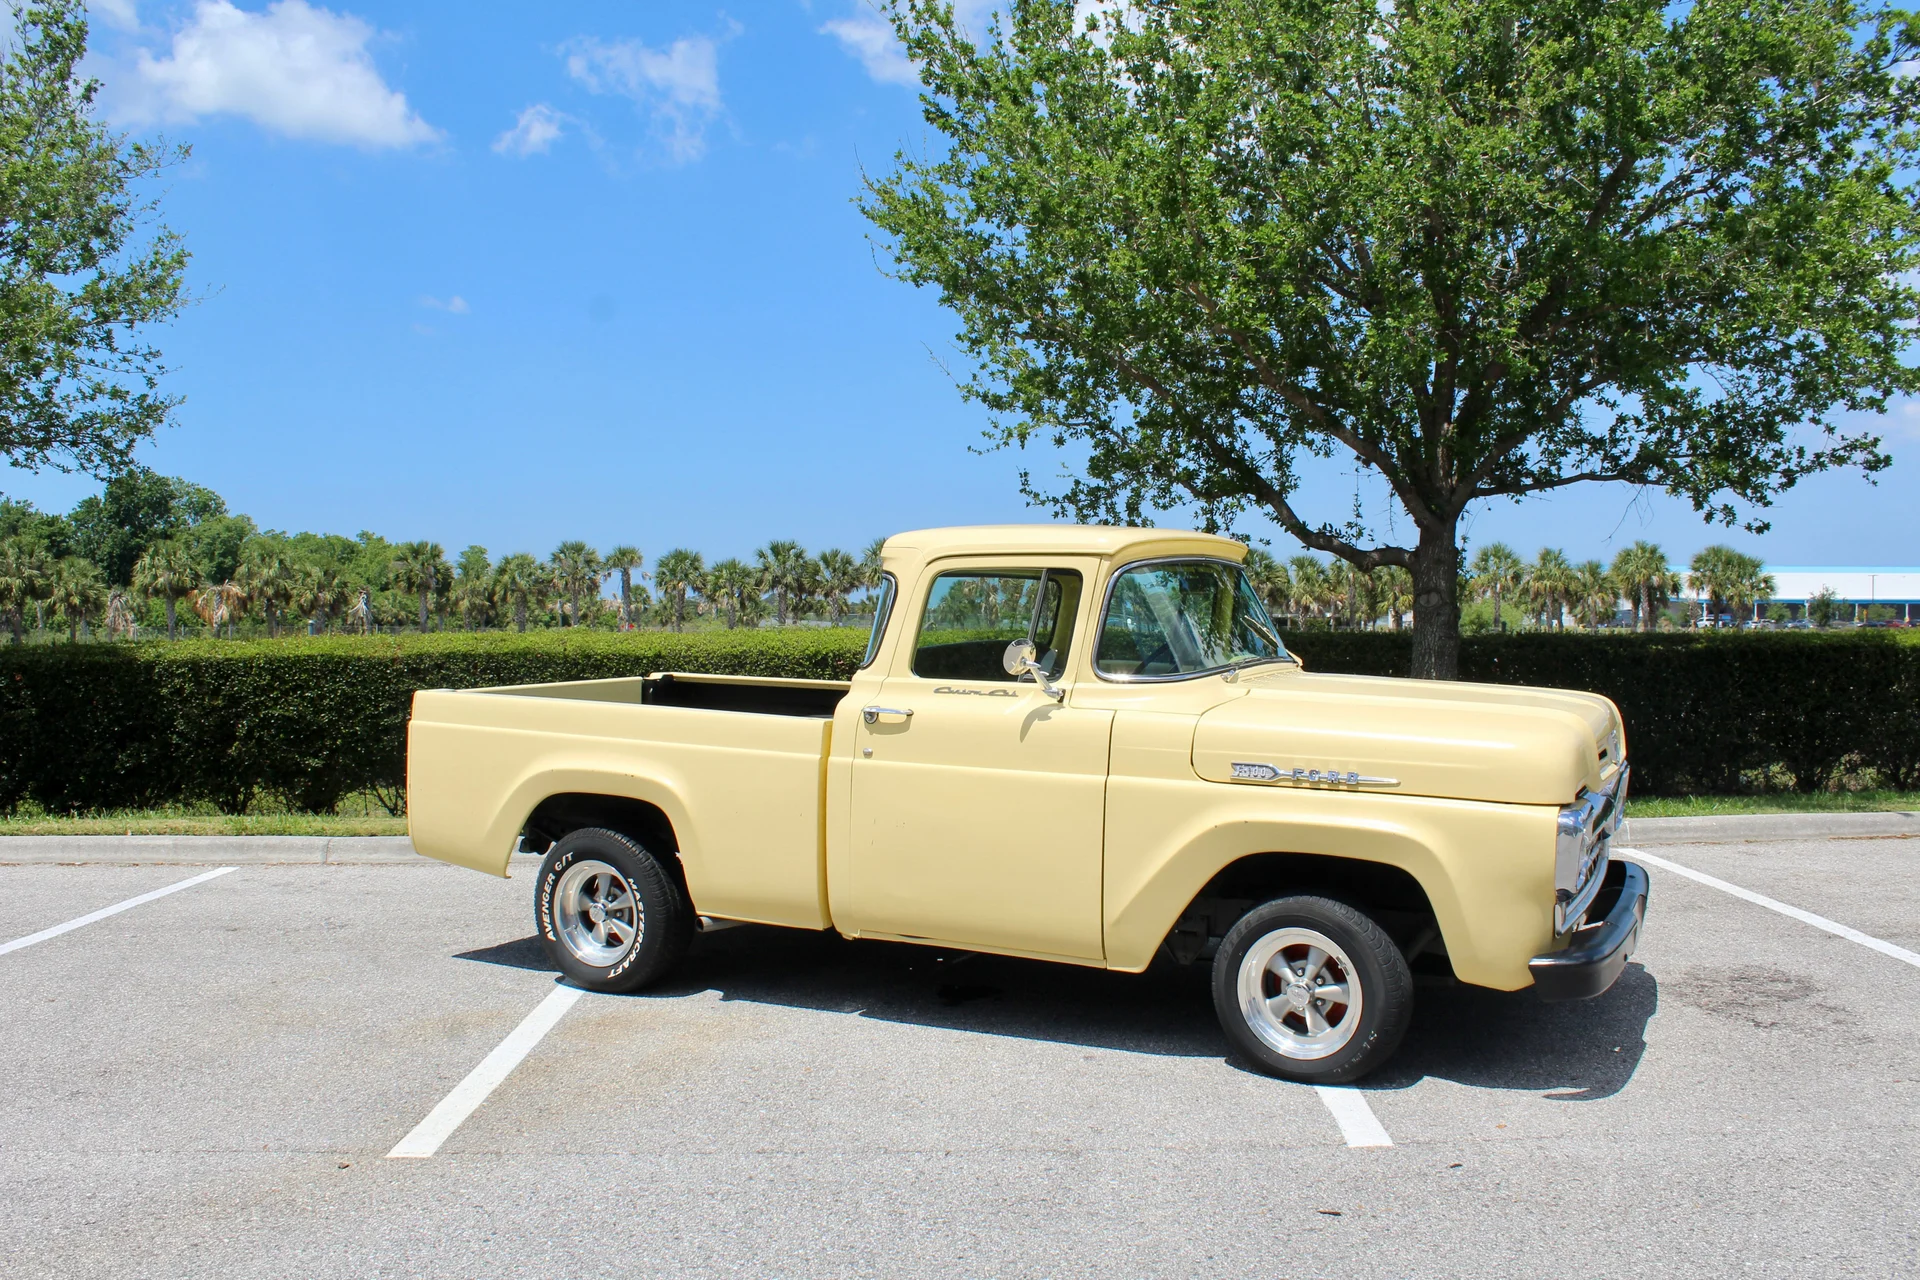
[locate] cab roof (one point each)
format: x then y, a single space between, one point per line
1058 539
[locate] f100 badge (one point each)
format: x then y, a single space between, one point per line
1245 771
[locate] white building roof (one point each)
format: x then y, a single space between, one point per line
1892 583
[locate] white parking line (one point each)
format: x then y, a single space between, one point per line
1867 940
113 910
485 1078
1358 1125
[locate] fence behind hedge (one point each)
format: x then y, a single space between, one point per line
93 727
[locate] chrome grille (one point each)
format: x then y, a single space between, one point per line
1586 827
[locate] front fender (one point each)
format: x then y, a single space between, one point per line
1487 869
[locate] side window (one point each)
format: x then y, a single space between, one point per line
972 615
882 610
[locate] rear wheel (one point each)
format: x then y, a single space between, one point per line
1310 989
609 914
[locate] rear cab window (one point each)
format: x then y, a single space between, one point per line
972 615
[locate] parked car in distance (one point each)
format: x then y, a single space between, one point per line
1078 744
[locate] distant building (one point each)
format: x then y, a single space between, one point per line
1856 588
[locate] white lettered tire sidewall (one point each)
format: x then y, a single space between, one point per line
665 919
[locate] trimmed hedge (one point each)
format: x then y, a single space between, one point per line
308 721
111 726
1711 713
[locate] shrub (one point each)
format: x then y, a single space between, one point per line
109 726
105 726
1706 712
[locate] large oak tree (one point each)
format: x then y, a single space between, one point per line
1484 248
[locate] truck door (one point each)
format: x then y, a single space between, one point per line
978 801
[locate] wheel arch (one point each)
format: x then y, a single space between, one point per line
1362 864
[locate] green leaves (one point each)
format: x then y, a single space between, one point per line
78 387
1481 247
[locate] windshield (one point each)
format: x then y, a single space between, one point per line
1181 618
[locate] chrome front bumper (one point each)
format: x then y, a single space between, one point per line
1594 957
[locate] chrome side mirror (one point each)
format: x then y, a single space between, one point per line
1021 659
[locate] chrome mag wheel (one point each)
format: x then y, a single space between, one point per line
1299 993
596 913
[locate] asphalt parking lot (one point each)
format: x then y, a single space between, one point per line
209 1083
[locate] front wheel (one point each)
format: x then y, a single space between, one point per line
610 915
1310 989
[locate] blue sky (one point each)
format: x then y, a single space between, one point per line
511 274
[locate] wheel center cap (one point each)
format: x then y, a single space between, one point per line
596 913
1299 994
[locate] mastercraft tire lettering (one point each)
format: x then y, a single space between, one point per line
611 917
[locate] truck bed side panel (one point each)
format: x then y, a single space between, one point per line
743 792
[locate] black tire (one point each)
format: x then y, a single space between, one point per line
1278 931
636 943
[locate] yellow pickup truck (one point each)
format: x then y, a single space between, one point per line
1080 744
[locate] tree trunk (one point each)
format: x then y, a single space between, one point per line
1436 604
423 607
520 613
1646 606
173 620
626 600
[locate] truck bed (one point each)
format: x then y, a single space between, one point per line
736 764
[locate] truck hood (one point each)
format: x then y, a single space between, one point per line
1504 743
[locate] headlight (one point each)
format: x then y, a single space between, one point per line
1584 831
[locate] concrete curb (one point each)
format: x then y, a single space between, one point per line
251 851
1764 827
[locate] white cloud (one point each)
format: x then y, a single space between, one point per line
872 41
535 131
456 304
869 37
679 85
116 13
292 68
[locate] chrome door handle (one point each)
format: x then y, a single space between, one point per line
886 715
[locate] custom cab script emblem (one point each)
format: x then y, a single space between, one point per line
1244 771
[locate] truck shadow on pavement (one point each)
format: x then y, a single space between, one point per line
1503 1040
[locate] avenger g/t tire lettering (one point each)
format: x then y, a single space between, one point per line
1310 989
609 914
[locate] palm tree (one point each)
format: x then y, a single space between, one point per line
576 567
730 584
1725 576
165 570
420 567
871 563
1646 580
22 571
1396 589
78 591
776 563
517 579
623 560
840 576
1270 580
1497 572
676 573
319 590
266 577
473 586
1594 593
1307 579
1549 585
